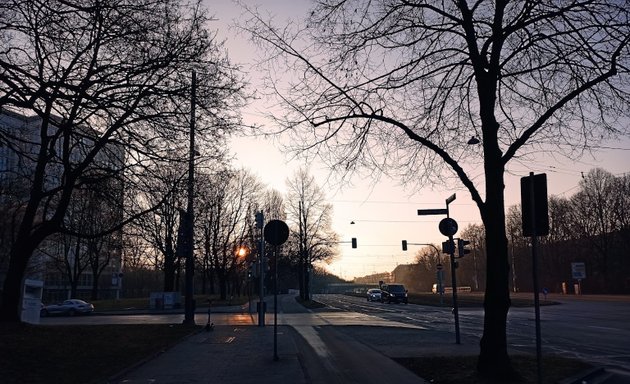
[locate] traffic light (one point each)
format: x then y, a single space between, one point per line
404 245
354 242
461 247
448 247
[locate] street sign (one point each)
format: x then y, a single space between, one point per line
440 267
276 232
439 211
535 205
450 199
578 271
448 226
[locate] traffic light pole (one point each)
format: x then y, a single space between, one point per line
448 227
260 223
454 284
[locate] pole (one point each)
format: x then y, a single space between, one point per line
454 284
449 200
189 313
275 303
532 211
260 222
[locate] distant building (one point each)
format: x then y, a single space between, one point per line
19 147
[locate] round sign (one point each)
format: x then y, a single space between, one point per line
448 226
276 232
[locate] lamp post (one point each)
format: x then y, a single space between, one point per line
189 303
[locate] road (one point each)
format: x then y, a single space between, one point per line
594 331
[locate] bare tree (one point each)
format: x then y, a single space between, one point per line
475 261
594 218
224 218
312 215
400 86
101 74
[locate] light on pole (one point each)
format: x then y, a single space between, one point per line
189 303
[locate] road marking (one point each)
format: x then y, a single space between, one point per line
312 338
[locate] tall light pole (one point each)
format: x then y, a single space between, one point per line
189 304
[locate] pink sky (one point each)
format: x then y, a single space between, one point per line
384 214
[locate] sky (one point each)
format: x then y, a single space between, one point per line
384 213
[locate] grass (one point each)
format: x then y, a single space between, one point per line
79 353
462 369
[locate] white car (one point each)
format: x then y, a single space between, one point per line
68 307
374 294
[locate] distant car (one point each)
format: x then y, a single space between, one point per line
68 307
374 294
393 293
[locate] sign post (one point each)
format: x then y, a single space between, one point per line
276 233
535 220
448 227
578 272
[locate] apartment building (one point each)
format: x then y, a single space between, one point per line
69 265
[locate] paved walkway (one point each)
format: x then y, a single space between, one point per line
244 353
305 350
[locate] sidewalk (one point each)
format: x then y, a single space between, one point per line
244 354
309 351
228 354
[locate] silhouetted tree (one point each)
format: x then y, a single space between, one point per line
311 218
399 86
100 75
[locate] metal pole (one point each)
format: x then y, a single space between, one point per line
532 211
261 269
275 303
189 313
454 284
453 276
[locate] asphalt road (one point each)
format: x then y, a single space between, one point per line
595 331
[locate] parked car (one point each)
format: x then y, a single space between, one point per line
374 294
393 293
68 307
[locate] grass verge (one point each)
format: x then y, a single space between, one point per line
462 369
80 353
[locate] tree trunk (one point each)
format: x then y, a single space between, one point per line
12 290
493 358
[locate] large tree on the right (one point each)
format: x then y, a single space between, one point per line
400 86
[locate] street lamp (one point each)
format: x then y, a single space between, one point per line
473 141
189 303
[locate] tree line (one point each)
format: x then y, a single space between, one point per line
589 227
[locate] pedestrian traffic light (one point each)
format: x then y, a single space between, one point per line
448 247
354 242
461 247
404 245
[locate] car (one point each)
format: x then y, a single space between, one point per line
68 307
394 293
374 294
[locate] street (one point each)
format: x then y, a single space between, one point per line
595 331
590 330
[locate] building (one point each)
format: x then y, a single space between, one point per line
68 265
